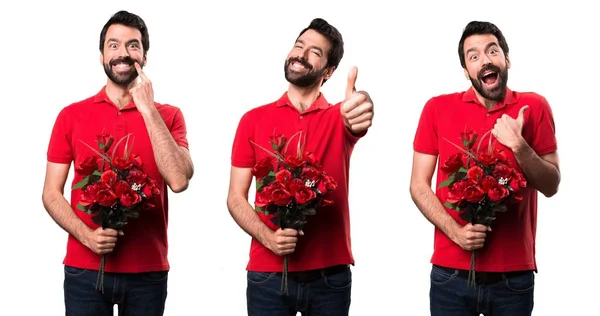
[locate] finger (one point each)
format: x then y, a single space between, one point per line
477 236
140 72
360 114
289 232
479 228
287 240
301 232
108 240
108 232
521 116
351 86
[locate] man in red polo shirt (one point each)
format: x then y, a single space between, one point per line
320 254
520 123
136 264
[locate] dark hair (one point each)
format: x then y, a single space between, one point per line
333 35
127 19
480 28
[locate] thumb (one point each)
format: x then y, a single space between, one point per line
351 87
521 118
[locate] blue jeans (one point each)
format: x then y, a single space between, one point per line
450 295
328 295
136 294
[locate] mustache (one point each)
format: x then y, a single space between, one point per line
491 67
302 61
125 60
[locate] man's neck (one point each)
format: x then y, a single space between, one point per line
303 97
119 95
487 102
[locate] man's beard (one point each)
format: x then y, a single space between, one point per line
497 93
122 79
302 80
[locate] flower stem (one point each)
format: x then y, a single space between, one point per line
284 283
100 279
471 279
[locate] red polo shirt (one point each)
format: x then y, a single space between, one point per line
510 246
144 244
327 234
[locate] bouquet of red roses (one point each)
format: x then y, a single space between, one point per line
114 187
290 187
480 183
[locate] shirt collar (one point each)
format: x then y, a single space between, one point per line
509 98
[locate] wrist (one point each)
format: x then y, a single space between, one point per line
519 146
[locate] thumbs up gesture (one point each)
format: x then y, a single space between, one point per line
357 108
508 131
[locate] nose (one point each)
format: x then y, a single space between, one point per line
486 60
123 51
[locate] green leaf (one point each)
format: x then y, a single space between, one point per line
500 208
82 208
81 183
449 205
97 173
260 210
448 181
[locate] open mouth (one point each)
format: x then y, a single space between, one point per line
489 78
121 66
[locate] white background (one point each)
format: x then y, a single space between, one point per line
216 61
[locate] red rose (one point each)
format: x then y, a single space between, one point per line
311 159
130 198
106 198
304 195
88 195
497 193
121 187
329 181
87 166
137 176
277 142
294 161
453 163
310 173
109 177
264 197
283 176
456 192
104 141
468 138
486 158
295 185
263 167
122 163
474 174
488 182
501 155
473 194
502 171
281 197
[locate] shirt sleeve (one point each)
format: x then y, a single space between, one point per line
242 153
544 134
60 148
426 136
179 130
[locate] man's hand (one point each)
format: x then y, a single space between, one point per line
508 131
102 241
142 92
470 237
357 108
283 242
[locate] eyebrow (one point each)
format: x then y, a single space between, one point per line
135 40
313 47
490 44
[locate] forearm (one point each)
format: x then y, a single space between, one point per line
541 174
245 216
431 207
61 212
173 163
